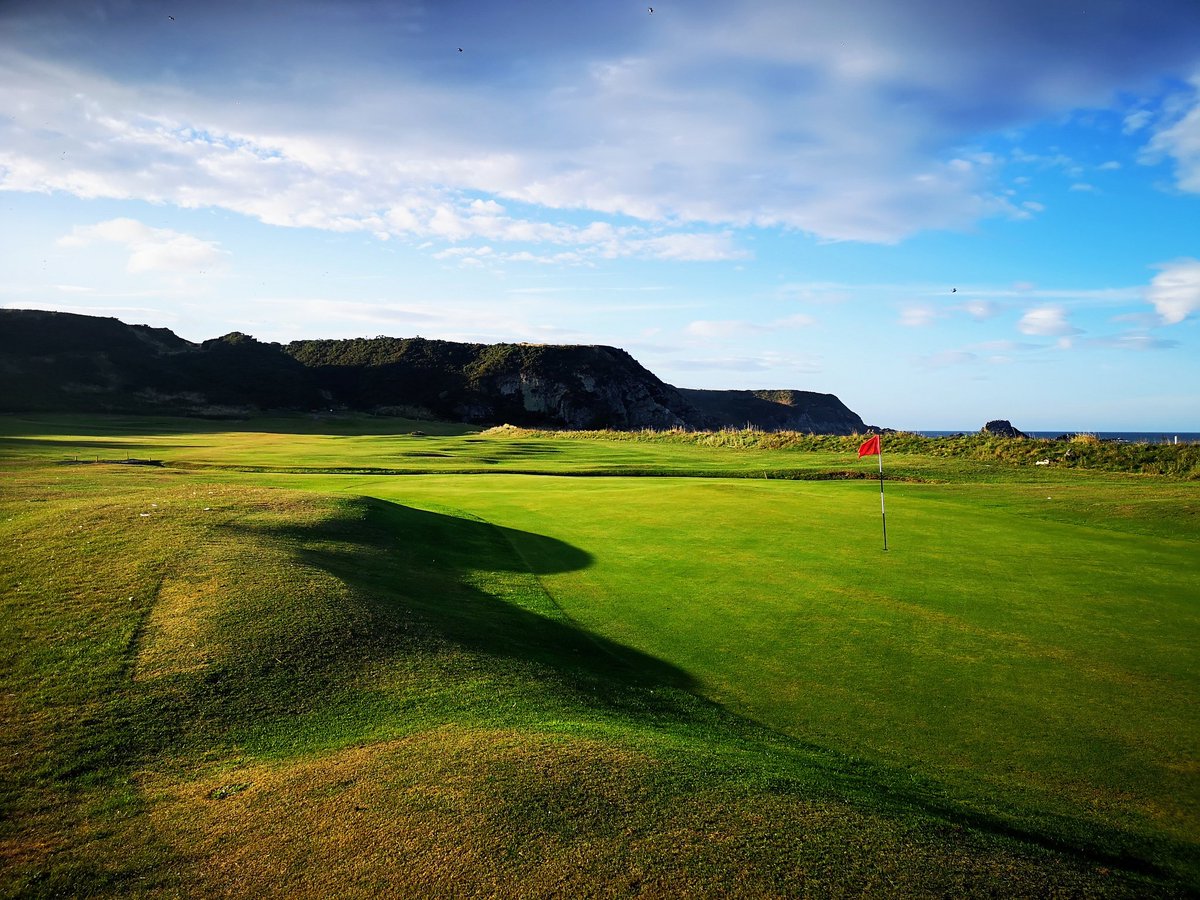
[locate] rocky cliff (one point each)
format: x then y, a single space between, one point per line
522 384
67 362
782 410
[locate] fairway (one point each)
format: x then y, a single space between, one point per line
695 664
988 649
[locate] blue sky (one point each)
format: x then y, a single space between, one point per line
941 212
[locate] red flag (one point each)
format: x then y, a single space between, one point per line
870 447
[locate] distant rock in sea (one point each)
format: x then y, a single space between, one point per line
1002 428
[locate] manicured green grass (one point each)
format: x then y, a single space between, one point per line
1034 667
289 681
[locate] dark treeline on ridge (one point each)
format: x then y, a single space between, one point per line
75 363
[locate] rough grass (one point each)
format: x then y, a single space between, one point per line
379 445
216 684
1080 451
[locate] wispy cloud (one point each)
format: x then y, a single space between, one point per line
980 309
707 328
1179 139
1047 321
1134 340
784 365
728 328
918 316
150 249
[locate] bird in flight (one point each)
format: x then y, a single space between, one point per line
172 18
650 9
954 290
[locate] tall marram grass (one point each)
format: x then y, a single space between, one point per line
1082 451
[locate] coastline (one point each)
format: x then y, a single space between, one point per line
1130 437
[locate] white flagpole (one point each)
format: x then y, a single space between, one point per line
882 505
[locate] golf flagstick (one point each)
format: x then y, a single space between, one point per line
873 446
882 505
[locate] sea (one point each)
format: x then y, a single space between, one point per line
1130 437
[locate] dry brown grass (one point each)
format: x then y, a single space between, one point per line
426 815
457 812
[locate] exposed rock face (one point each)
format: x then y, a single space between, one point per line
61 361
1002 428
522 384
782 410
580 387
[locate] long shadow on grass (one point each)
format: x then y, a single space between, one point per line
429 618
115 444
462 580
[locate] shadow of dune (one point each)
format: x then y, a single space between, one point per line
391 616
116 444
463 579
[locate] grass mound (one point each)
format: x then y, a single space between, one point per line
221 689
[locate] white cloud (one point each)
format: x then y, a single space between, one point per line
1180 140
918 316
150 249
689 247
845 122
785 365
1135 340
980 309
704 328
1137 120
1047 321
1175 290
707 329
1083 187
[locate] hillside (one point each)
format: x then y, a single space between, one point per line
63 362
72 363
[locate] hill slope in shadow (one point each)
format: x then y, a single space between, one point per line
73 363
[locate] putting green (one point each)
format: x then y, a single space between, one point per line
1033 662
